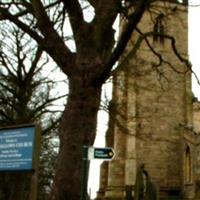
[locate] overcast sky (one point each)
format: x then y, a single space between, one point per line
194 43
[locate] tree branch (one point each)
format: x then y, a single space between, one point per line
94 3
105 16
5 15
51 38
134 19
30 9
59 52
31 72
143 37
75 13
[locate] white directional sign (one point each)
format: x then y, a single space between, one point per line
106 153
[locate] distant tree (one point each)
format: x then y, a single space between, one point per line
47 163
26 96
87 66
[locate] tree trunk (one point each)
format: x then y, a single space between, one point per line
78 128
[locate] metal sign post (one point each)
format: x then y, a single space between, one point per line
85 166
90 153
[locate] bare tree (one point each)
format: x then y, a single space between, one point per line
87 68
26 97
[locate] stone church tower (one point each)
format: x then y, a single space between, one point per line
151 114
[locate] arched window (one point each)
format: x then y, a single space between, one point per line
188 166
158 29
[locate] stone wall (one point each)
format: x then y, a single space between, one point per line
152 103
161 103
196 117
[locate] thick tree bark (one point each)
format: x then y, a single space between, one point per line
78 128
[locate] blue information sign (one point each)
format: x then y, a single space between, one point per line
17 148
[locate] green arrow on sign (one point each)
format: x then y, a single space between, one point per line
106 153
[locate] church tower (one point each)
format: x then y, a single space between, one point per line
151 106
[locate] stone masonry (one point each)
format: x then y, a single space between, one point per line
152 117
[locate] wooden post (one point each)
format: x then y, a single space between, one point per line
33 186
34 174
